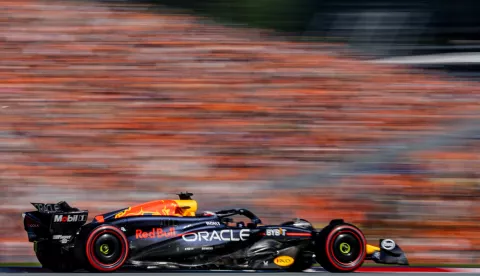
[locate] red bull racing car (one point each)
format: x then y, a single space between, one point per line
170 234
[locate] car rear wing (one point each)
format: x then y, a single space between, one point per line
56 221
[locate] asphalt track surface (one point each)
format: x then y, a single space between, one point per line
35 271
244 273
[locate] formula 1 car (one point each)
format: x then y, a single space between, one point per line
169 234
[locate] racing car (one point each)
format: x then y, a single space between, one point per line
170 234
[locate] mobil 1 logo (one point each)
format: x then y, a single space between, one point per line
69 218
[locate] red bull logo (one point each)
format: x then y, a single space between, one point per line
155 233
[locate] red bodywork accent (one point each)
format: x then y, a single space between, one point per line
293 234
100 219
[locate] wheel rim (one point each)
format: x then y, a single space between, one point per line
346 248
107 248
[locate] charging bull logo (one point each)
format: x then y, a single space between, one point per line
154 208
155 233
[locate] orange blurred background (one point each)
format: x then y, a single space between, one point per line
105 105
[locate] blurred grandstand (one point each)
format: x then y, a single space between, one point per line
104 105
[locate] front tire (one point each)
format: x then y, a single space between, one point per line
341 248
106 249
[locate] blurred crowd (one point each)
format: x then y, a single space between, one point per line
106 105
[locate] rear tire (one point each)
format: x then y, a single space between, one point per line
106 249
341 248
